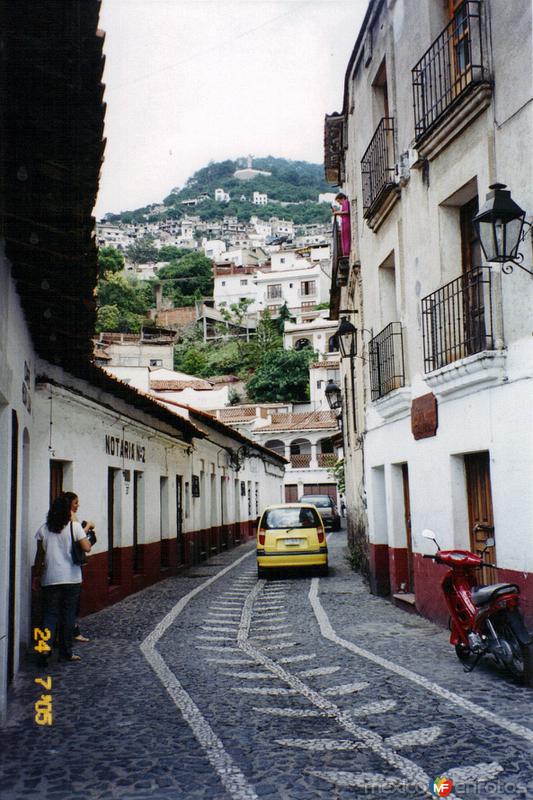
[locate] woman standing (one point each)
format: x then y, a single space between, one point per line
60 577
344 214
88 528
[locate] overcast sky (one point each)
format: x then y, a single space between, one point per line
190 81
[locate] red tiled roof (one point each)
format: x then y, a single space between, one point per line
302 421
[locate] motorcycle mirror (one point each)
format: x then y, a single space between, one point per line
490 542
428 534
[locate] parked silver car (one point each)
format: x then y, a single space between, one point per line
326 508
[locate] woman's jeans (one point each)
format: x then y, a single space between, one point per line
60 603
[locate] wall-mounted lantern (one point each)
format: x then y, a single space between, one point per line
500 222
347 338
333 394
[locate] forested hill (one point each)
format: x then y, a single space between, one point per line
293 182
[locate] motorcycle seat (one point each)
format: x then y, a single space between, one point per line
484 594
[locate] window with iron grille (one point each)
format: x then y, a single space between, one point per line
377 166
273 291
451 65
385 353
307 288
457 319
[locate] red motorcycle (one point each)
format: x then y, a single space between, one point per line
484 620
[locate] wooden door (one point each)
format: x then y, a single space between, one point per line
111 564
179 520
473 305
291 493
407 511
459 46
56 479
13 513
480 516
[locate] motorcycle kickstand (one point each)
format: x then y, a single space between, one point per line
474 664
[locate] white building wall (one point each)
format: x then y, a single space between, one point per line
229 289
480 403
16 397
292 290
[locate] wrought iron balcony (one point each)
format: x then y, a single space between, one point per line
385 353
452 64
457 319
377 166
340 263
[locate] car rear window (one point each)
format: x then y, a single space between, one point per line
319 502
292 517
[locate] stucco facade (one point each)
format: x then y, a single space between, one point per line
442 380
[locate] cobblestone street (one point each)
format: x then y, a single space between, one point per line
216 685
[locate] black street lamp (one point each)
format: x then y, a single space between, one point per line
333 394
500 223
347 338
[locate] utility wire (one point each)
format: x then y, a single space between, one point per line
218 48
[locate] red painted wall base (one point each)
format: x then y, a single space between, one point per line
388 570
155 561
379 569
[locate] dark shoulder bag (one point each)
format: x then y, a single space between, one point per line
79 556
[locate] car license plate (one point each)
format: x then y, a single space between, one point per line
293 542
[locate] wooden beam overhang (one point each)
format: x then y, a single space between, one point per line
51 152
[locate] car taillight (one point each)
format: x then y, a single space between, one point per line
320 532
261 534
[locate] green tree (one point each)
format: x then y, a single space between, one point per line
107 319
236 312
282 376
337 471
109 260
187 279
143 251
126 297
283 317
170 252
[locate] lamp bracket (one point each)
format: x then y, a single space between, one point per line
507 268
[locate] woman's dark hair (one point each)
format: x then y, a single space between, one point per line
71 496
59 514
340 196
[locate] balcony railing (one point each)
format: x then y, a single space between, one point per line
452 64
301 461
326 459
340 263
377 165
385 353
457 319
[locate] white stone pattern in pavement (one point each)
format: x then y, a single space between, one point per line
317 671
406 769
327 631
230 775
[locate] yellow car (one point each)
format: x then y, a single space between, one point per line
291 535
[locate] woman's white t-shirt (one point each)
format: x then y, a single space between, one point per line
58 564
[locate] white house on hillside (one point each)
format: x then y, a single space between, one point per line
259 199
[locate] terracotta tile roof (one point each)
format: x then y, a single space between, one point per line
178 386
237 414
223 379
302 421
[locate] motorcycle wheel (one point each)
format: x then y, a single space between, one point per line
521 667
463 652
